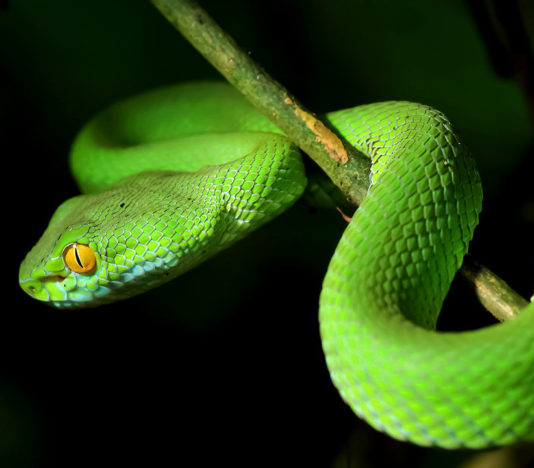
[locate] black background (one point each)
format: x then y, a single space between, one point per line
224 365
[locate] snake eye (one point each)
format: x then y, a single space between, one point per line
79 258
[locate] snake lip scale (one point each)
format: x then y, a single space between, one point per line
173 176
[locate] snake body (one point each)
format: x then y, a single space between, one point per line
175 175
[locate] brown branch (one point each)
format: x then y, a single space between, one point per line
492 292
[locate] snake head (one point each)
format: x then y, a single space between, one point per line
62 268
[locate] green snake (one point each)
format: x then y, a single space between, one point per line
175 175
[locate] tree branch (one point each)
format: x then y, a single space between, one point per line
345 166
492 292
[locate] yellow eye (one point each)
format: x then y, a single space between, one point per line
79 258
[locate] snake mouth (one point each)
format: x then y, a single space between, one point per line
52 279
45 288
35 286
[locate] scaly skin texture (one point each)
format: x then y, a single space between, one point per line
178 174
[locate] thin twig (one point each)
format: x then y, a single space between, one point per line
492 292
347 168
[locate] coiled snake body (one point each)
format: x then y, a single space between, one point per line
176 175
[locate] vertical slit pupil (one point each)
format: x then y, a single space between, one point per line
77 256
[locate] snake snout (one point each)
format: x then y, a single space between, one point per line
32 287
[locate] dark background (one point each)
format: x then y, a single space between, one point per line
224 365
